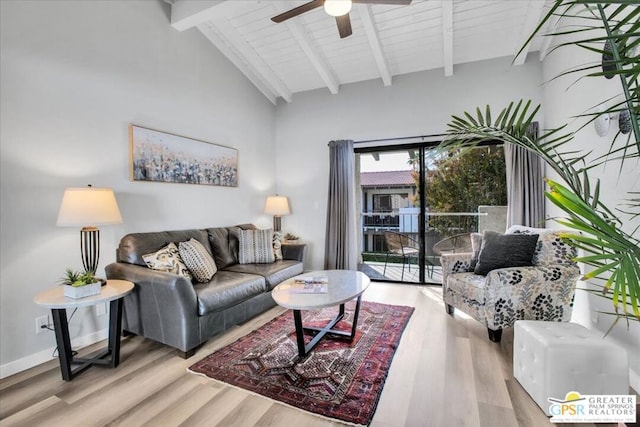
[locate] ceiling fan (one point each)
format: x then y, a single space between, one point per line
338 8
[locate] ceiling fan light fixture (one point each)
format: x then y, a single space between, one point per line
337 7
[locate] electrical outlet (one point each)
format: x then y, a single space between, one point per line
101 309
42 323
594 316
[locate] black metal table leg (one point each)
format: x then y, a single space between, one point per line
304 349
355 318
65 353
297 319
115 326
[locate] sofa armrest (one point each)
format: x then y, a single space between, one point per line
454 263
539 292
163 306
294 252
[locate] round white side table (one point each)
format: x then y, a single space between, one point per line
112 292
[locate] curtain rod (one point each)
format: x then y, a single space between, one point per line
401 138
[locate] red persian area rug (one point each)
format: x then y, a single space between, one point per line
338 379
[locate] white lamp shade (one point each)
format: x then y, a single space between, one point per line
277 205
88 206
337 7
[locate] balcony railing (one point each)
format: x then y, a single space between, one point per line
438 226
386 220
446 223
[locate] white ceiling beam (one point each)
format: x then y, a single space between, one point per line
251 57
227 51
187 14
447 37
312 54
374 41
533 15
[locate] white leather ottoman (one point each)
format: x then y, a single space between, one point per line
551 359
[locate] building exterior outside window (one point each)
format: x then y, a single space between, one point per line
386 196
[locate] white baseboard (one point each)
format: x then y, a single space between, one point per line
43 356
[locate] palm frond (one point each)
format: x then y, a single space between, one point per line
610 250
619 21
609 29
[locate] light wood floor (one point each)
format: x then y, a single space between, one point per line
445 373
394 272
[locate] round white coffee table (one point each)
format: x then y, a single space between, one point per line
342 286
112 292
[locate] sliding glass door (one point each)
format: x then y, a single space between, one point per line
389 218
464 193
417 202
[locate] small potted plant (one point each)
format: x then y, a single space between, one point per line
80 285
290 238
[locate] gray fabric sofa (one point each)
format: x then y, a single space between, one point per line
170 309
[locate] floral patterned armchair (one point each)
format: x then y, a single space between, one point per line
543 291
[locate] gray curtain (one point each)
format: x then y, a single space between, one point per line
341 246
525 185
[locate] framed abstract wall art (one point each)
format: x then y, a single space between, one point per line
164 157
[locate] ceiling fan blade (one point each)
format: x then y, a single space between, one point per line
398 2
297 10
344 25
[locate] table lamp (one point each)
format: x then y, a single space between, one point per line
277 206
88 207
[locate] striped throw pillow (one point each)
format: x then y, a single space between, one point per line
198 261
256 247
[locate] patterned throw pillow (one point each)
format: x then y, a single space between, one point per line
198 261
505 250
167 259
256 247
277 245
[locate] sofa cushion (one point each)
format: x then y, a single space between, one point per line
505 250
256 246
198 260
223 247
470 285
273 273
227 289
134 245
167 259
224 243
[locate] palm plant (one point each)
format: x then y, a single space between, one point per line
612 30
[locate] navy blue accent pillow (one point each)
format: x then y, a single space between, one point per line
505 250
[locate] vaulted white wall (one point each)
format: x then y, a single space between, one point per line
74 75
416 104
564 99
